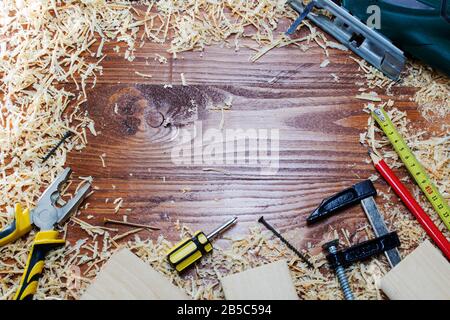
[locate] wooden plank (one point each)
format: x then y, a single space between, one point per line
268 282
422 275
126 277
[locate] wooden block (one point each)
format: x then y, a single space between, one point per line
126 277
269 282
422 275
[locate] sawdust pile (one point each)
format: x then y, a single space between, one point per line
257 248
50 44
194 24
433 97
46 45
64 279
432 88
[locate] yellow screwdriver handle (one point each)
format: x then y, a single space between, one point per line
43 243
188 251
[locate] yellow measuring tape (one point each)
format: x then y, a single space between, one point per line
414 167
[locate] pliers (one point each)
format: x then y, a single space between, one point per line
46 216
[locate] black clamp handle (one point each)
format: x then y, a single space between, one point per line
363 251
343 199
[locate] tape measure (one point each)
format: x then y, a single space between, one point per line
414 167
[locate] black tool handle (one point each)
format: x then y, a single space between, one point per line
341 200
364 250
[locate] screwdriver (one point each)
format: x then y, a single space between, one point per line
188 251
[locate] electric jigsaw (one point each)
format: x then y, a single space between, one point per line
419 27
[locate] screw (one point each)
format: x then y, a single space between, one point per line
290 246
67 135
331 247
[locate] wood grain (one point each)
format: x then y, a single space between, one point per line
422 275
268 282
319 123
126 277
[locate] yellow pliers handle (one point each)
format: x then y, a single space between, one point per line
43 243
20 226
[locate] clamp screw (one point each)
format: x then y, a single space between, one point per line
331 247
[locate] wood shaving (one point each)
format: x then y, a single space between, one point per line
160 58
374 77
126 234
145 75
103 161
118 202
46 44
335 45
433 94
335 77
371 96
325 63
183 79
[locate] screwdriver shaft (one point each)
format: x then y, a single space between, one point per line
222 228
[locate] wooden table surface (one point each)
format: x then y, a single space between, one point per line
319 122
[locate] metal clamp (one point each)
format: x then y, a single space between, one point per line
363 250
341 200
